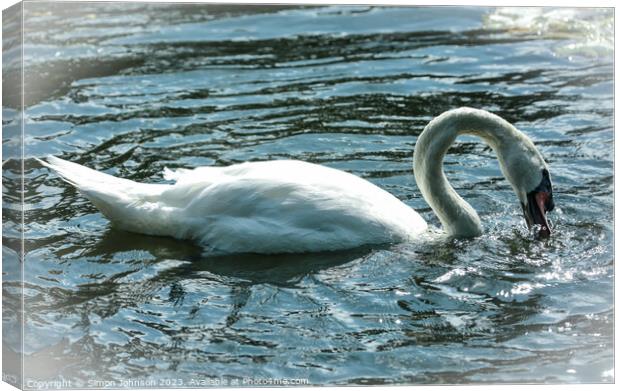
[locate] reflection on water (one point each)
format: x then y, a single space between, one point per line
132 88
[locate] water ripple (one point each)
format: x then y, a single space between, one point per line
132 88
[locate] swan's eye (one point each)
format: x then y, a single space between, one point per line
545 184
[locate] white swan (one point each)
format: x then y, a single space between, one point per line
292 206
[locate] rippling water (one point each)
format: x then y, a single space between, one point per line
132 88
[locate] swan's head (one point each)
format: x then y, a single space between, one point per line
537 203
527 171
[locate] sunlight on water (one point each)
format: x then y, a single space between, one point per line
129 89
589 31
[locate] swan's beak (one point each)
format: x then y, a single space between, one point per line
535 212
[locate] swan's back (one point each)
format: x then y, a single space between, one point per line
264 207
289 206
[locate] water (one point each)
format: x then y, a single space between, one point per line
132 88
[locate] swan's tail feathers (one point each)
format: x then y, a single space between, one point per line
130 205
80 176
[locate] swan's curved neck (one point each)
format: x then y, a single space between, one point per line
456 215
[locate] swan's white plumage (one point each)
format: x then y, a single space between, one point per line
265 207
293 206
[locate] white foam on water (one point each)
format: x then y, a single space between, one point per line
585 32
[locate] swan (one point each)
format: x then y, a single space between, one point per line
285 206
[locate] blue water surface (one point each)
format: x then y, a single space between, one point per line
131 88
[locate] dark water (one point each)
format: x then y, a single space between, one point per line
131 88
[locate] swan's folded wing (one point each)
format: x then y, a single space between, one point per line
277 215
